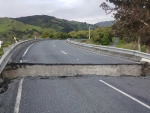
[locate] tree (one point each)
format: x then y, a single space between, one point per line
103 35
29 36
72 33
45 34
133 18
36 33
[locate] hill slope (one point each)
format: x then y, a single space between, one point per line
106 23
10 28
10 24
63 25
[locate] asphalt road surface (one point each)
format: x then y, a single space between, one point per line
84 94
79 94
59 52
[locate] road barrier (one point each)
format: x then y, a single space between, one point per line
11 50
113 51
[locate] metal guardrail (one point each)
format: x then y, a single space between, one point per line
7 55
112 49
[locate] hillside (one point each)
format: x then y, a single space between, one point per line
106 23
10 24
63 25
10 28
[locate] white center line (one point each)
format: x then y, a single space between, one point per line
63 52
27 50
16 110
145 105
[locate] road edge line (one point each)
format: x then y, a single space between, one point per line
27 49
18 98
127 95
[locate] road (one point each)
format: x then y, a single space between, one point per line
85 94
59 52
114 43
79 94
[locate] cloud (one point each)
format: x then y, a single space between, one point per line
78 10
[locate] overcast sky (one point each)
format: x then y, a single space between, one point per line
78 10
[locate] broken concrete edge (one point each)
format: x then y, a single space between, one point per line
6 58
108 51
72 70
144 60
71 64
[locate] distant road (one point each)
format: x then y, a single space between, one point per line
59 52
115 43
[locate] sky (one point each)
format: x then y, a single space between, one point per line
77 10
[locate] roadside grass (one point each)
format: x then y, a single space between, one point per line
131 45
90 41
120 44
6 44
1 51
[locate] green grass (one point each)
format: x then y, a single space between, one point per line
1 51
89 41
120 44
131 45
6 44
7 24
143 48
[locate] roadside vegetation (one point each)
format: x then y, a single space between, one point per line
132 25
131 45
99 36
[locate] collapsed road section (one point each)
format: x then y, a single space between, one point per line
23 70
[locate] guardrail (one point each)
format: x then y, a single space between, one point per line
118 52
8 52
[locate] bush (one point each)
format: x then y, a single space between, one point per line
45 34
105 40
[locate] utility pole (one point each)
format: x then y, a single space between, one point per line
89 32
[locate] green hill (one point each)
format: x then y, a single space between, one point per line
25 27
10 24
10 28
63 25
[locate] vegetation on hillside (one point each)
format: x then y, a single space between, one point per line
10 28
57 24
101 35
50 27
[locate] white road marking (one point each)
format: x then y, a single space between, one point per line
54 46
145 105
27 50
63 52
77 59
20 61
16 110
